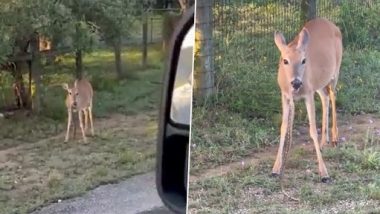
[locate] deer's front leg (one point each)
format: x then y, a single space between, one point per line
287 104
69 118
310 107
81 125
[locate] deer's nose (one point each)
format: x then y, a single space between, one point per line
74 104
296 83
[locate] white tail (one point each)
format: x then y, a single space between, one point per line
309 64
79 98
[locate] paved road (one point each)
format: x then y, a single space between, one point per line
137 195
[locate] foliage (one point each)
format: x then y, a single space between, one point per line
70 23
49 18
360 23
114 18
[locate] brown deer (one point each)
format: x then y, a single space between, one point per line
79 99
309 64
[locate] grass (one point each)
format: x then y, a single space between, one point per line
37 168
250 189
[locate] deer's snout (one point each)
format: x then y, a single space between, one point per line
75 104
296 83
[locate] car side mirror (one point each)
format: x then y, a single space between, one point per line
175 117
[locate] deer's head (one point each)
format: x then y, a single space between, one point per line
293 57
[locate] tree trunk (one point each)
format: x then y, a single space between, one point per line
169 23
36 74
30 97
118 63
185 4
78 64
204 78
308 10
145 39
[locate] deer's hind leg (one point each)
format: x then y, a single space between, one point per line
85 120
81 125
334 128
91 120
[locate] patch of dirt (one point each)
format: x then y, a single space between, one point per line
353 128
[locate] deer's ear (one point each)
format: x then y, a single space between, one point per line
279 40
65 86
303 39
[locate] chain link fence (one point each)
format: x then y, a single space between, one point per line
154 33
237 59
252 23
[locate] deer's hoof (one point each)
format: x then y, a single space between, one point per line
275 175
334 143
326 180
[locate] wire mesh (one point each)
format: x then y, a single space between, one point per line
250 24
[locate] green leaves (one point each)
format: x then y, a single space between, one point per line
77 24
115 18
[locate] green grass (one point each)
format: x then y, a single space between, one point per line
251 190
228 138
37 168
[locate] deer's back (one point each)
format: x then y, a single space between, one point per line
85 93
324 52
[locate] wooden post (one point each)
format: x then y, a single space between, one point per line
36 73
117 52
145 39
30 98
205 77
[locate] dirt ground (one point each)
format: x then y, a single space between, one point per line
245 186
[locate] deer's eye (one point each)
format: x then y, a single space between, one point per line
69 93
304 61
286 61
77 94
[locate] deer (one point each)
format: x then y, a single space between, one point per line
79 99
309 63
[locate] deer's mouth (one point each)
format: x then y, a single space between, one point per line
74 108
